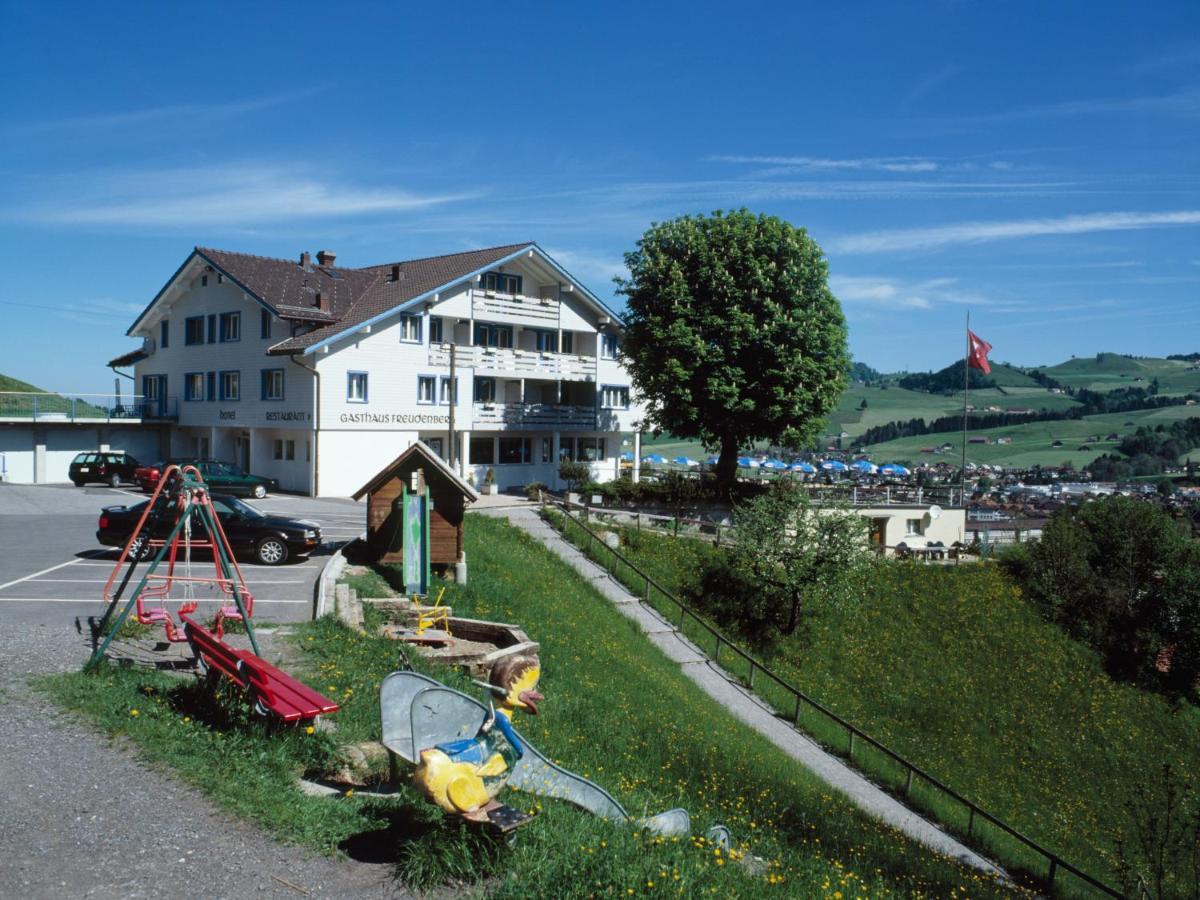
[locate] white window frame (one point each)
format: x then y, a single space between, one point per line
229 327
443 393
410 328
430 382
224 384
352 380
608 345
191 379
619 393
268 376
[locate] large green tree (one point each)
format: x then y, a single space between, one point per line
732 334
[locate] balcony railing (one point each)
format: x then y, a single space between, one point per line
490 416
39 406
495 306
518 363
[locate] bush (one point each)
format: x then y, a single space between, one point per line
534 490
574 473
1118 574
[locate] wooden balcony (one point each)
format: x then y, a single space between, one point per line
508 363
514 309
544 416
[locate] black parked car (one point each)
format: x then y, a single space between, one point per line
102 465
269 540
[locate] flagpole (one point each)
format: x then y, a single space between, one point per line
962 475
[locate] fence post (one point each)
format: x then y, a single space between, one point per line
750 680
717 652
796 717
908 782
851 753
1053 869
971 823
647 588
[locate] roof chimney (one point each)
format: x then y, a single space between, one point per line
326 257
305 260
321 302
395 273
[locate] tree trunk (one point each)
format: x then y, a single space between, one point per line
727 462
793 616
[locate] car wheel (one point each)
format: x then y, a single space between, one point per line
140 549
114 480
77 482
259 492
271 551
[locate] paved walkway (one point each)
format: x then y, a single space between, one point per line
743 704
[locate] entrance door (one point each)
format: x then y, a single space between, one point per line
241 451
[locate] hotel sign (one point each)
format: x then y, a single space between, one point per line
368 418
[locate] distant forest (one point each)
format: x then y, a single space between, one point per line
1148 451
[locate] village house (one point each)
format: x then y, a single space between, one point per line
318 374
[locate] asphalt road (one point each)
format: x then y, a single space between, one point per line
52 570
82 816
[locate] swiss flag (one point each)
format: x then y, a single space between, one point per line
977 358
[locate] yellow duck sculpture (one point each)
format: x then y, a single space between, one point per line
463 777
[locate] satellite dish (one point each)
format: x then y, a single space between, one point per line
935 512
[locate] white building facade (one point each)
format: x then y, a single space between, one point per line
319 375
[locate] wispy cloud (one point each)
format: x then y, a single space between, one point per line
233 196
817 163
1185 103
1179 56
898 294
982 232
155 114
598 269
928 85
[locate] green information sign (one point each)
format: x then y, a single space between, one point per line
416 542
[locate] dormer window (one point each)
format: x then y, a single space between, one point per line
502 282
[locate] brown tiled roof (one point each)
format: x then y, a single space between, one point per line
291 289
417 277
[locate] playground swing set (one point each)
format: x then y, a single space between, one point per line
182 499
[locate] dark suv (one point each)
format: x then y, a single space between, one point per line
102 465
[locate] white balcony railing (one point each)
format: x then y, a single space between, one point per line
491 416
516 309
518 363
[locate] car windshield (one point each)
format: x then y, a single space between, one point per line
244 509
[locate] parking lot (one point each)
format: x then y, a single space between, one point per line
52 569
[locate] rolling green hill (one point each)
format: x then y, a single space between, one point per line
1108 371
12 384
1032 443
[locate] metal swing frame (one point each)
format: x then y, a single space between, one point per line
184 489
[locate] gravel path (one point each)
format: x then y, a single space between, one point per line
81 816
746 706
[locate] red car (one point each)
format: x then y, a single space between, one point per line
147 476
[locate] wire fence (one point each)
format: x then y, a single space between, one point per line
898 775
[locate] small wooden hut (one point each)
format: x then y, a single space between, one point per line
417 468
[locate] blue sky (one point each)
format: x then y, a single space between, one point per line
1034 163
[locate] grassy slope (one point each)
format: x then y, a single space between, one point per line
951 668
1031 442
617 711
12 384
1111 371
